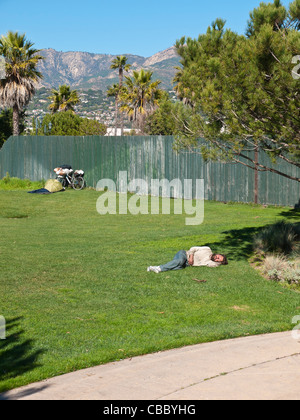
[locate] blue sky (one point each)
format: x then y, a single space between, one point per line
119 27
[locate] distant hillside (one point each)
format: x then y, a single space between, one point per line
84 70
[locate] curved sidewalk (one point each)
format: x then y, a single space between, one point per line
249 368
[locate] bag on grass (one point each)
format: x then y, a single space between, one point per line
53 185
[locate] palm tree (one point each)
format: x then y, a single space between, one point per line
120 63
140 96
63 99
21 75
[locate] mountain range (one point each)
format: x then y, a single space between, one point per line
83 70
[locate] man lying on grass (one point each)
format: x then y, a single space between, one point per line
195 257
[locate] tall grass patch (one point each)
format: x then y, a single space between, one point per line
15 184
281 237
277 248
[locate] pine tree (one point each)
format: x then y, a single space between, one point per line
242 90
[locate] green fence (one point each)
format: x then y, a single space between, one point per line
147 158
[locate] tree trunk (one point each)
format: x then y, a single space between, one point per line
16 121
256 177
122 124
116 112
120 78
141 122
120 87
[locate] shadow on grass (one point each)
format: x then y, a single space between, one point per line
17 355
237 244
291 214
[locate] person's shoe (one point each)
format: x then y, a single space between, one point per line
155 269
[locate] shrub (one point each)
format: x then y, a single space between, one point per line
69 124
280 238
279 268
275 263
14 184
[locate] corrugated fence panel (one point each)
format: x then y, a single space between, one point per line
147 158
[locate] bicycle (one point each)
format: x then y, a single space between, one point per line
74 179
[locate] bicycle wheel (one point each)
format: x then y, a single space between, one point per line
78 183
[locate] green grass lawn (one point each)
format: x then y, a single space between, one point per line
75 291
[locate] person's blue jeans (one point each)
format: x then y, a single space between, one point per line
178 263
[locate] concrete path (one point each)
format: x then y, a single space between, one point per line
249 368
